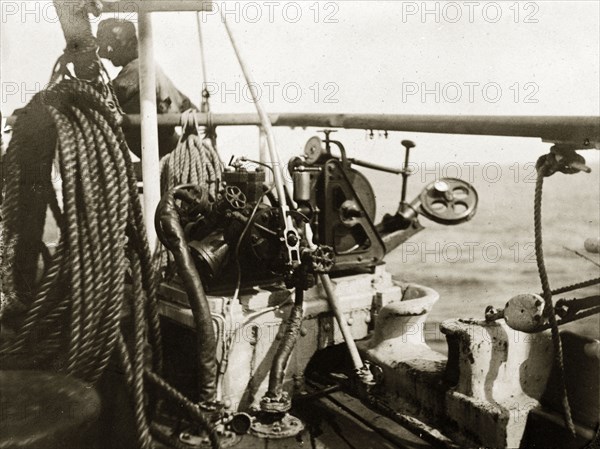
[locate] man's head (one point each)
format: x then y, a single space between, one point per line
117 41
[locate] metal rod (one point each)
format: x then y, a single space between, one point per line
372 166
405 176
149 125
205 96
341 320
581 130
201 43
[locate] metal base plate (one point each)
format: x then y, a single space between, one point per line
226 439
287 426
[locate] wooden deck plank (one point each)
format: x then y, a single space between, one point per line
396 433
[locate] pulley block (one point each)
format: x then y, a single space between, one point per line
314 149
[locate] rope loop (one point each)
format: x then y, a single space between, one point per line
188 123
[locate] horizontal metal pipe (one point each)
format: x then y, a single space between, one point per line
131 6
581 131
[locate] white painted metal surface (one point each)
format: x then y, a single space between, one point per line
149 125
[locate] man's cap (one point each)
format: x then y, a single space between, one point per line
115 33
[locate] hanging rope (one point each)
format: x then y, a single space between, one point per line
72 317
567 162
193 161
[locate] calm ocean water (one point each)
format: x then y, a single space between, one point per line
491 258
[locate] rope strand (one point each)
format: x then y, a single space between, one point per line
549 307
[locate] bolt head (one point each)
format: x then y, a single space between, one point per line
441 187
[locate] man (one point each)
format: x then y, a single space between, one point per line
117 42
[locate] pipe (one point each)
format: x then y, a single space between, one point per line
290 233
284 351
171 234
240 423
149 124
341 320
372 166
133 6
580 130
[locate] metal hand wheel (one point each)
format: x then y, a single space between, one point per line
449 201
235 197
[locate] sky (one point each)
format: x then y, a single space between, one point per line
395 57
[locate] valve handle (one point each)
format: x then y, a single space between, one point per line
449 201
235 197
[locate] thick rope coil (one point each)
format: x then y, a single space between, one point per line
549 307
70 320
193 161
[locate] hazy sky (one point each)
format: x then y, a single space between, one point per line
498 58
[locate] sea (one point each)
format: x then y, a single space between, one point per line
491 258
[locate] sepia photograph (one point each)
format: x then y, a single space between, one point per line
312 224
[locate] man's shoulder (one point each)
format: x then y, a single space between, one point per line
170 98
129 73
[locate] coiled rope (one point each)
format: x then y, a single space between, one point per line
193 161
74 313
